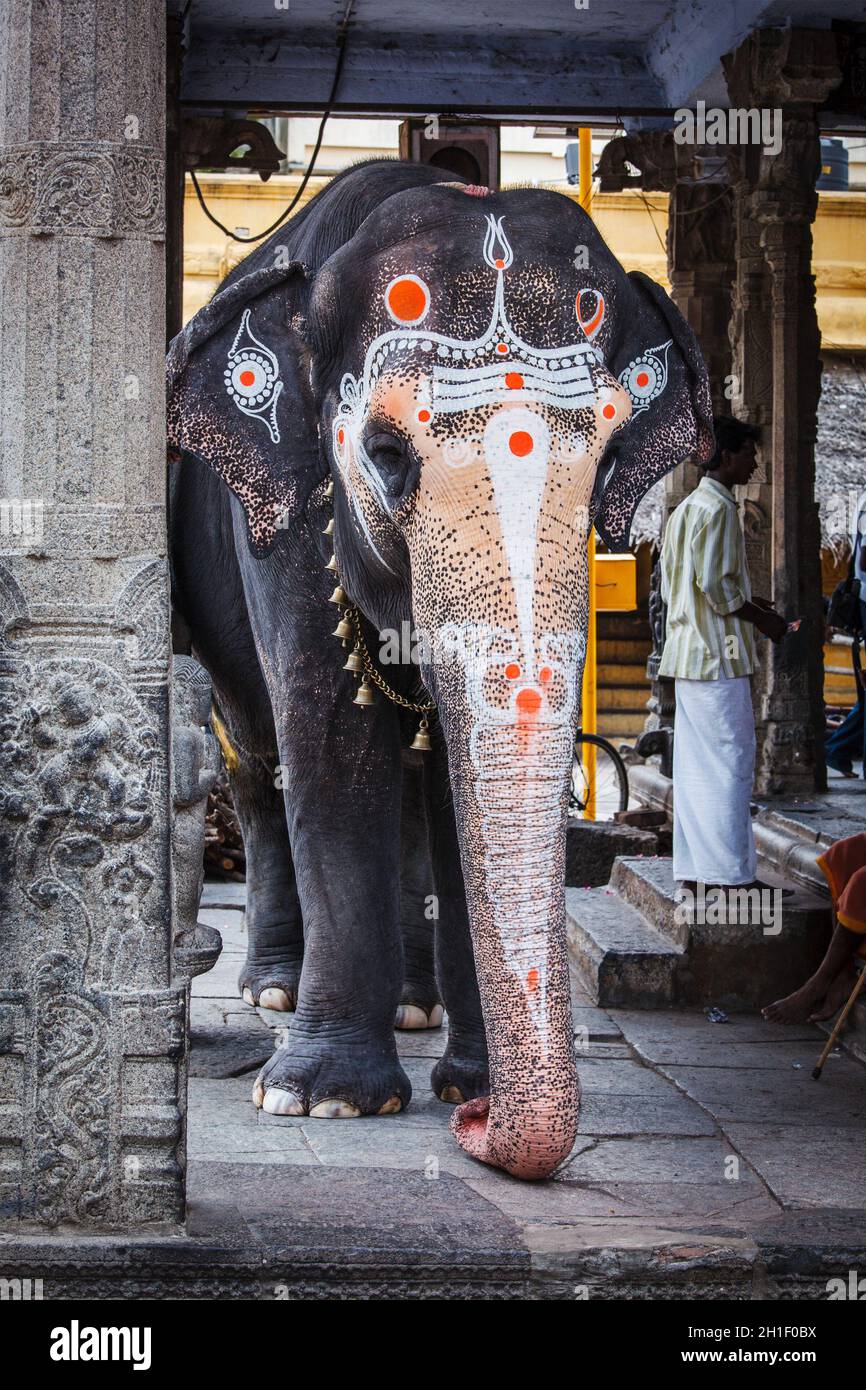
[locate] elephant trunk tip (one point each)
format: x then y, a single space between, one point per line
530 1147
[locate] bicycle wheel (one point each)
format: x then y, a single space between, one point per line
610 781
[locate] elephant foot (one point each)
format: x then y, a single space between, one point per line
270 986
331 1081
413 1016
459 1077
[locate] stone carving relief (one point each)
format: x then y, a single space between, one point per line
90 188
71 1130
142 610
196 762
86 1005
77 753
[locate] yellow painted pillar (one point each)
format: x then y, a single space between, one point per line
588 694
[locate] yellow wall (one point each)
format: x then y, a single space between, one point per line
633 224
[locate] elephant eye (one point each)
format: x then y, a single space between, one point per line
391 457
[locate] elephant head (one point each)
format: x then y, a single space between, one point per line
487 384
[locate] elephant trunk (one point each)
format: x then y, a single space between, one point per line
511 808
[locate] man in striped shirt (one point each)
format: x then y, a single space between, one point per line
710 654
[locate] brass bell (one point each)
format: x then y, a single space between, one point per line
354 662
329 490
365 694
421 741
339 596
329 529
332 564
343 630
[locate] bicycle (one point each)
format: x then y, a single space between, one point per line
600 776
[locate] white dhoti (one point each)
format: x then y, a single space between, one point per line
714 768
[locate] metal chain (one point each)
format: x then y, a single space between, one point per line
370 669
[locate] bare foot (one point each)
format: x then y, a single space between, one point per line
796 1007
836 996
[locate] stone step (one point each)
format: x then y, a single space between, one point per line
628 625
614 673
646 883
618 957
625 649
774 945
627 698
621 723
591 846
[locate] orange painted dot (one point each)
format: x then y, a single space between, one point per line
341 436
514 381
512 670
501 347
528 700
499 263
609 411
247 378
642 379
545 674
520 443
423 416
407 300
532 981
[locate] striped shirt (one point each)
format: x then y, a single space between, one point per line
704 582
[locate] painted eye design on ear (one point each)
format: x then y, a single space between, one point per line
646 376
252 378
589 308
407 300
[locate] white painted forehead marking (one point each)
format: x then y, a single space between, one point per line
517 451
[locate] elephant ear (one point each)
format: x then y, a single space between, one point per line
658 361
239 397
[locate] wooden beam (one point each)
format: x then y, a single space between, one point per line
547 76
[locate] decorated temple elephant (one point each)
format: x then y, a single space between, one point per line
416 399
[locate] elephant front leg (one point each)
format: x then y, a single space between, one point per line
420 1001
275 936
339 1058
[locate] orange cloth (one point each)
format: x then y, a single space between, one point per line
844 867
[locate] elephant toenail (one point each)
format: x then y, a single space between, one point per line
391 1107
452 1094
273 998
334 1110
437 1013
248 996
258 1095
409 1016
278 1102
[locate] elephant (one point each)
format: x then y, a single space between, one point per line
452 385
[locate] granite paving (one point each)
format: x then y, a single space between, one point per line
712 1134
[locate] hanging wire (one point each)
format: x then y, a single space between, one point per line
342 34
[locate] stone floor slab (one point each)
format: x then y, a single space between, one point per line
620 1076
642 1115
818 1167
786 1098
597 1023
571 1202
649 1161
223 895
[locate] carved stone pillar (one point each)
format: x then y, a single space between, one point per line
752 371
776 345
92 1037
701 272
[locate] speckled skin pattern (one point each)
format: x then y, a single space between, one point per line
485 393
